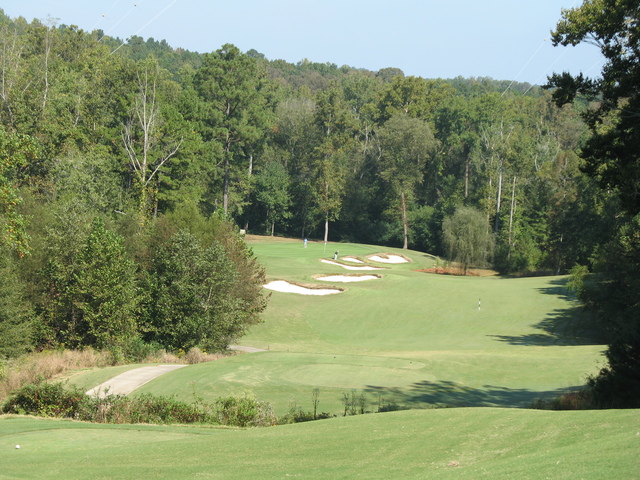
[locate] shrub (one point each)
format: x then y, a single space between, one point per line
392 407
577 400
45 399
194 355
244 411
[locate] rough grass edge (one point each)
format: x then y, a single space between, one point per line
49 364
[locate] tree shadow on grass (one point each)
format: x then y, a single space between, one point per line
450 394
567 326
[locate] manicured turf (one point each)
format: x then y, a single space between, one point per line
410 338
444 443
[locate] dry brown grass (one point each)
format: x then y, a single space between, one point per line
47 364
195 355
50 364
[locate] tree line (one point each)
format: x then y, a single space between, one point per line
127 168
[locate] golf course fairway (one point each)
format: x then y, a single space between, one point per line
402 338
407 338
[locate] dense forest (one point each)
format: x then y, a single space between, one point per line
128 167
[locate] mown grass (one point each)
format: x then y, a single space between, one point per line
445 443
409 338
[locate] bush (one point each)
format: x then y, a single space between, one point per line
297 415
195 355
54 400
46 400
143 409
137 350
578 400
392 407
244 411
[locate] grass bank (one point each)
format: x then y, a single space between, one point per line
446 443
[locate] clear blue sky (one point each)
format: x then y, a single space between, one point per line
502 39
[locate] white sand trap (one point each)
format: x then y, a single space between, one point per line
349 267
286 287
352 259
348 278
388 259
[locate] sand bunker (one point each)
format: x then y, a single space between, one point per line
382 258
286 287
350 267
352 259
348 278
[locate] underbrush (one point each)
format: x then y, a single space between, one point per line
578 400
45 399
354 403
56 400
49 364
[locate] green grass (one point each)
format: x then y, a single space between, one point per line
411 338
445 443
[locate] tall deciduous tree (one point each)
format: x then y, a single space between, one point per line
90 294
197 298
107 293
406 144
16 152
272 191
148 145
335 144
611 156
467 237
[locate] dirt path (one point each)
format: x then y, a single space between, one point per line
127 382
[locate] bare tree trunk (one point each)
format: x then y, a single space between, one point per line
326 229
145 119
10 62
497 221
405 222
466 177
47 52
225 190
511 213
489 201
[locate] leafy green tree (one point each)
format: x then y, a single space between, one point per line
16 153
16 324
272 191
467 238
406 144
336 126
90 295
611 156
194 297
611 152
413 96
294 137
107 292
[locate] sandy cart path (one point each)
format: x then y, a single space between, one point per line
127 382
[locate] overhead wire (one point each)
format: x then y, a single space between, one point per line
522 69
105 15
564 51
145 25
122 18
